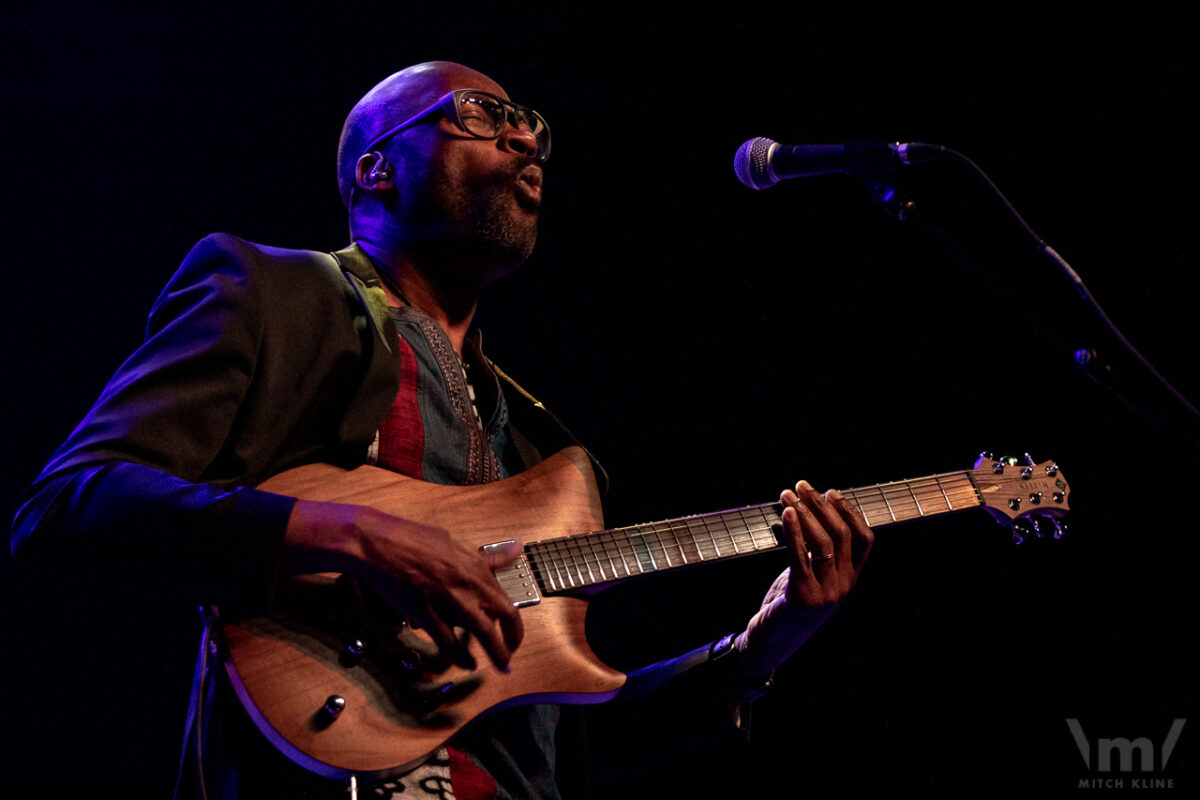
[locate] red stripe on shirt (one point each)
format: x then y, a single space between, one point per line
402 433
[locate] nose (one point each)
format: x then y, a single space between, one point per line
519 139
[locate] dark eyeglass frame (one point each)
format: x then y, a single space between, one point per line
449 105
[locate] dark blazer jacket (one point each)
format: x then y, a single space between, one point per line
255 360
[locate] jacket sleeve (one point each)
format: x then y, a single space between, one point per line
146 486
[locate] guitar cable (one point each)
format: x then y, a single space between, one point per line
199 705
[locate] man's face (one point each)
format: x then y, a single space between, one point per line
478 197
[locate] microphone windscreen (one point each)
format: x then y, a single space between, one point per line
751 163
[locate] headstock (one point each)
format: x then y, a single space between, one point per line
1029 497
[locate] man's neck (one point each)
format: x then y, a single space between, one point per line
451 308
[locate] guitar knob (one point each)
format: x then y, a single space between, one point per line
1026 473
1059 497
1015 504
432 699
333 708
1052 469
352 653
1035 497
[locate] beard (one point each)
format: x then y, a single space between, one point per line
479 227
501 224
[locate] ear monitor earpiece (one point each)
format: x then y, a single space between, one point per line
380 172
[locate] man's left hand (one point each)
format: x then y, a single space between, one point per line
828 542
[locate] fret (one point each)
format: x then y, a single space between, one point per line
962 493
713 539
730 532
643 553
942 488
909 486
733 541
594 542
905 501
557 581
621 552
870 505
558 569
609 538
898 499
562 565
571 549
883 494
933 497
673 530
766 519
606 545
662 548
696 527
854 496
542 564
595 545
580 549
723 539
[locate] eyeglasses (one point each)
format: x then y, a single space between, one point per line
482 115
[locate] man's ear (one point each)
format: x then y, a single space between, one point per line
373 173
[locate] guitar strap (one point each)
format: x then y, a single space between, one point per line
530 415
537 431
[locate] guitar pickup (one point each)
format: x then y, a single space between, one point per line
516 579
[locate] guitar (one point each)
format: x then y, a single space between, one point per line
345 688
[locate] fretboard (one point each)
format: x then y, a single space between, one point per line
573 562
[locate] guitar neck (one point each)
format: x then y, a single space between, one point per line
573 562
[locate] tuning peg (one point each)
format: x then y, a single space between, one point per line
1060 527
1029 460
987 455
1021 530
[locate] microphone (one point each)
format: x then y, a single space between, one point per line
761 163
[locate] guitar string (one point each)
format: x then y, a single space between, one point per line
597 553
577 550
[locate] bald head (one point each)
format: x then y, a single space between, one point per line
394 100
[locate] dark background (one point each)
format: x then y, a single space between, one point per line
711 343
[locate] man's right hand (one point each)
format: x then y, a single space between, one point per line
419 570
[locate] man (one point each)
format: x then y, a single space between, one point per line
258 359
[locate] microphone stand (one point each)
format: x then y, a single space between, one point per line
1155 399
